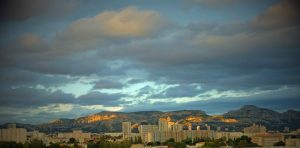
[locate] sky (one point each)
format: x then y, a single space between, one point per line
71 58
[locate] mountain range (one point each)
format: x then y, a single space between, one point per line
235 120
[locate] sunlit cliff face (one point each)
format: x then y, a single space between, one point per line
222 119
95 118
134 125
194 119
230 120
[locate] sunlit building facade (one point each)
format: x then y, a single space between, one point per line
12 133
126 130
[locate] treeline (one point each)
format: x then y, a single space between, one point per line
72 143
31 144
109 144
243 141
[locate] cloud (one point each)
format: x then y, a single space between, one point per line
28 97
135 57
111 25
105 84
14 10
182 90
283 14
98 98
209 3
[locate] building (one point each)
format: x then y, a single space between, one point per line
79 136
267 140
292 140
12 133
254 129
218 128
145 130
177 127
163 124
178 136
126 129
113 134
36 135
228 135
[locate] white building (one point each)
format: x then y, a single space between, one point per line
254 129
126 130
12 133
77 134
36 135
145 129
228 135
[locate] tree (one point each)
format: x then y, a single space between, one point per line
243 141
35 143
140 141
158 143
72 140
131 140
11 144
170 140
188 141
54 145
135 140
149 144
279 143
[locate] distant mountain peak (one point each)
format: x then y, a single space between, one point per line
249 106
109 121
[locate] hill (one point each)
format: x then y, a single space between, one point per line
106 121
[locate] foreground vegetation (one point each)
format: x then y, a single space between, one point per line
243 141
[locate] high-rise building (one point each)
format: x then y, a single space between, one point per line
267 140
177 127
126 129
163 124
190 127
286 129
145 130
255 129
12 133
77 134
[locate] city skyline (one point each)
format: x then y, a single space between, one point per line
68 59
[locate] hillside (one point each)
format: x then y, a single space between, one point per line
106 121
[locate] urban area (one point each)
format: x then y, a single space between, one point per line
166 134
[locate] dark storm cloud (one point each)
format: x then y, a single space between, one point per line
26 97
281 15
106 84
15 10
251 58
202 53
98 98
217 4
261 54
134 81
183 90
32 97
18 77
277 101
31 52
145 90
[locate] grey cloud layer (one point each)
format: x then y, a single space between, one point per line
258 54
15 10
31 97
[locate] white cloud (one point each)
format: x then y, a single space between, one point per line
101 107
128 22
